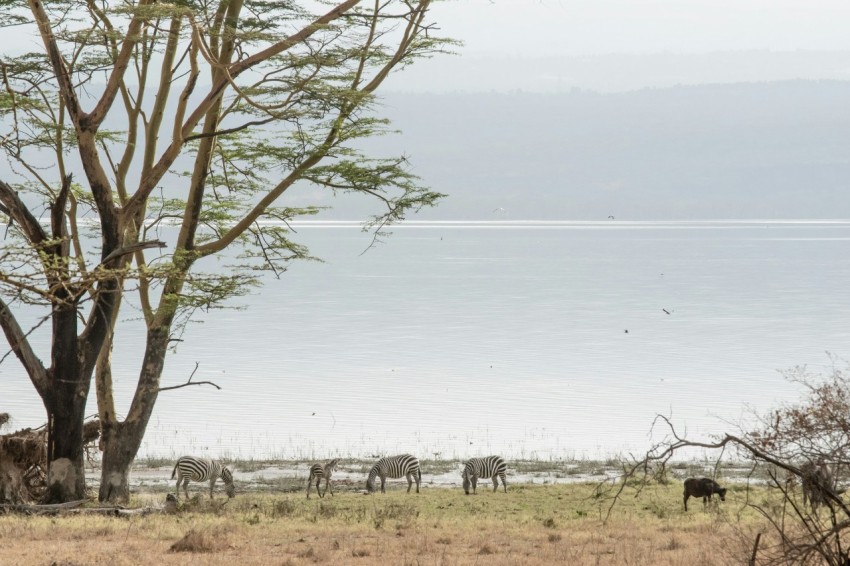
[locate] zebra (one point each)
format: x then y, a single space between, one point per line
490 467
202 469
319 471
395 467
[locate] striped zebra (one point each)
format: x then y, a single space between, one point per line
318 472
202 469
490 467
395 467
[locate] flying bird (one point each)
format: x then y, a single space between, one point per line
666 311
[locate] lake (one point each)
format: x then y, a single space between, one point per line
529 339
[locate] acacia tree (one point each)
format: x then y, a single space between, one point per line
197 114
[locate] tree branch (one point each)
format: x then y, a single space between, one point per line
133 248
150 180
17 210
93 119
23 349
190 382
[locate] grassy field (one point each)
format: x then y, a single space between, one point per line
530 525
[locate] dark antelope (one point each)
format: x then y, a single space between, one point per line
703 487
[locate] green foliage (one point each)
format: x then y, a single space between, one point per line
295 117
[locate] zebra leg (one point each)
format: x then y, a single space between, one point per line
309 485
185 487
318 482
212 485
504 484
495 483
383 481
418 478
474 484
410 483
328 486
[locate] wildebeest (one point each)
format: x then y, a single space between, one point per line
817 482
703 487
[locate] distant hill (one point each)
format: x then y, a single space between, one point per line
748 150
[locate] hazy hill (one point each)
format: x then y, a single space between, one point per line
765 150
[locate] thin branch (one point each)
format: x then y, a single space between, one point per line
133 248
190 382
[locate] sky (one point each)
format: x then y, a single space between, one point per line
624 45
530 28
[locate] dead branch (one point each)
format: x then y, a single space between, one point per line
74 508
190 382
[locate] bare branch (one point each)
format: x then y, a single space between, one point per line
190 382
133 248
23 349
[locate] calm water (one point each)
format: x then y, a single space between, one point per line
464 339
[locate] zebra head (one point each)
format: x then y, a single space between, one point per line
370 481
229 488
465 475
331 466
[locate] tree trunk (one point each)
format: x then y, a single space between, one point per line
121 440
66 406
66 477
118 454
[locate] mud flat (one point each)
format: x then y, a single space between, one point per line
279 476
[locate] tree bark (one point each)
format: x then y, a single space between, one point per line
121 440
66 405
118 454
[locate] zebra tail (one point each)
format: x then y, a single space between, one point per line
174 471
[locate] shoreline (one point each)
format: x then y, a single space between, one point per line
288 476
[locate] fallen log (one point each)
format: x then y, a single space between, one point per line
42 509
74 508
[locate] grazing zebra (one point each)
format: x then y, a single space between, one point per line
395 467
202 469
490 467
319 471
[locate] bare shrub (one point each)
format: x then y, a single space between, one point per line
803 448
285 508
199 542
403 512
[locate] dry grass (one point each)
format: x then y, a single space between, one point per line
530 525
